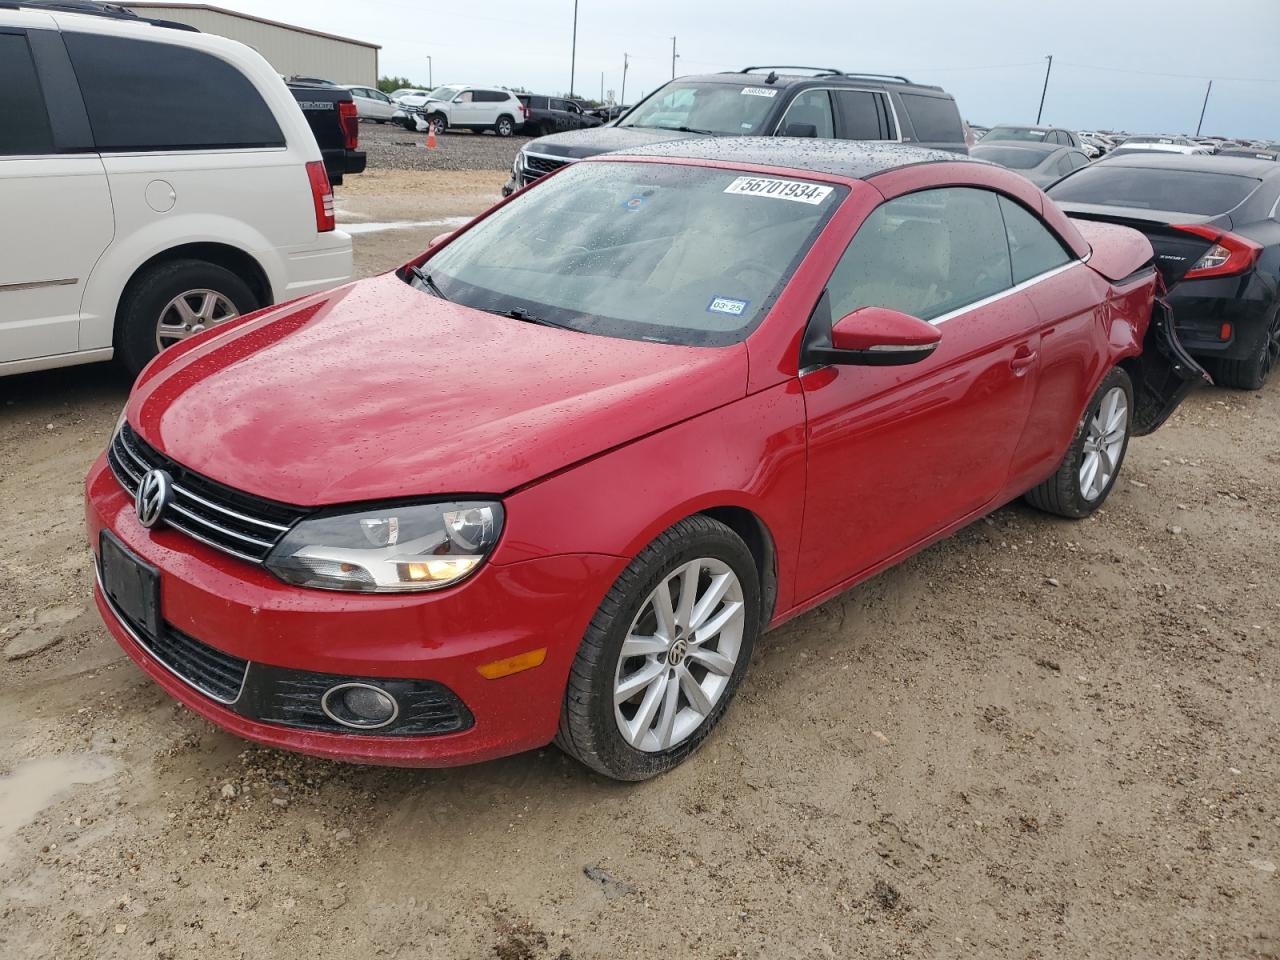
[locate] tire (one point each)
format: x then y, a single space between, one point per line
148 303
440 122
1252 372
590 724
505 126
1064 493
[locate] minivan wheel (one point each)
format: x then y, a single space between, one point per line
1252 372
665 653
505 127
1089 470
169 302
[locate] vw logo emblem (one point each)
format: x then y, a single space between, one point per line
677 652
152 497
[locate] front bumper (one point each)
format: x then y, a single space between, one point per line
241 610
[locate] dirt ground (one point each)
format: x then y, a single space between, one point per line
1037 739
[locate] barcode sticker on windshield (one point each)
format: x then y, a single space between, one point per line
796 190
759 92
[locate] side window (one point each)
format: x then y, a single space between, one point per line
861 114
935 119
491 96
465 97
1032 245
558 104
25 129
925 254
810 109
160 96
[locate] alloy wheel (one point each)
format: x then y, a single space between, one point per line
191 312
1104 443
679 655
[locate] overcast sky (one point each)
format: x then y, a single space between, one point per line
1137 65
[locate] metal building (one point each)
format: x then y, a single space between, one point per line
293 51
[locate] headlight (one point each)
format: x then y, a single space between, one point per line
389 550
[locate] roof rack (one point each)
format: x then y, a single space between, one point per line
820 71
92 8
830 72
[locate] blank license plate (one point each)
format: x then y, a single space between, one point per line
131 584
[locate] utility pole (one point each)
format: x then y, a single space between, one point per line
673 58
602 86
431 84
623 98
1040 112
573 54
1204 107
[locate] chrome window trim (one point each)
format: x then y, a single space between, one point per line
546 156
1016 288
133 635
893 109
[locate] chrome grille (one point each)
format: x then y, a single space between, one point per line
535 165
237 523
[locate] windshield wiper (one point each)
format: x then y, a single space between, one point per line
705 133
427 282
519 313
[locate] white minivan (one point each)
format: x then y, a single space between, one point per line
154 182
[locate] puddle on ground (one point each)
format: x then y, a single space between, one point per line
36 784
375 227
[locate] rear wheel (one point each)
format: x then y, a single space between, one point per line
1252 372
169 302
505 126
664 654
1089 470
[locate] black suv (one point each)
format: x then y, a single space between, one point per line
762 101
545 115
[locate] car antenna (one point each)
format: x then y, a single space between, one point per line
772 77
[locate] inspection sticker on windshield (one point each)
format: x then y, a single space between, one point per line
734 308
796 190
759 92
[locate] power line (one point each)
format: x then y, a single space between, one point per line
1182 76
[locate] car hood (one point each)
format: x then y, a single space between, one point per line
576 144
378 390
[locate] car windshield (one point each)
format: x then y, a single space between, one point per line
1153 188
1015 133
642 251
1015 158
724 109
443 93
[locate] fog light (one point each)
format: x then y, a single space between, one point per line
361 706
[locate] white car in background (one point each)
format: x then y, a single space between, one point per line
371 104
466 107
128 220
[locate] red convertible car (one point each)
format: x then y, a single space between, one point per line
552 479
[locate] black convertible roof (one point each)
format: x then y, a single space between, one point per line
842 158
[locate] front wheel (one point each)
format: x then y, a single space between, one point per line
505 127
439 122
1089 470
664 654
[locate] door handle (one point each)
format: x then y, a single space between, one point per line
1023 360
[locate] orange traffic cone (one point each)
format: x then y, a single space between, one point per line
431 135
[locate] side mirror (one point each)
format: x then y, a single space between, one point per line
439 239
800 130
877 337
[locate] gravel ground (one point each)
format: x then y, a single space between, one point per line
1038 739
391 147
